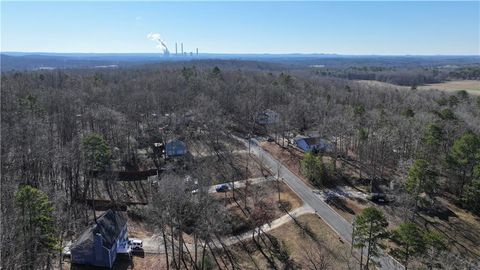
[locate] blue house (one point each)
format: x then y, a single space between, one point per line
99 244
175 148
310 144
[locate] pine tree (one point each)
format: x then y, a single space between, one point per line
370 228
463 158
35 225
421 179
410 240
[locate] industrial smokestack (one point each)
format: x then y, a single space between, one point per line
197 51
176 51
160 44
182 47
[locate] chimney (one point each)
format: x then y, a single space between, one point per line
182 47
197 51
176 51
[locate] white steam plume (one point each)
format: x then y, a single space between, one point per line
160 44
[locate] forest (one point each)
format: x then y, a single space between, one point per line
65 132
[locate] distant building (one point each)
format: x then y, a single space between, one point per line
268 117
313 143
175 148
99 244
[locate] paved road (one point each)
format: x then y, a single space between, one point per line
341 226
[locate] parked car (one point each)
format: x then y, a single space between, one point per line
330 197
66 250
222 188
66 253
378 197
135 244
270 139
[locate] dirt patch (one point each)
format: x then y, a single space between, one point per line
348 208
156 261
459 227
138 229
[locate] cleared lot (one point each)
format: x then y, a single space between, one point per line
298 244
471 86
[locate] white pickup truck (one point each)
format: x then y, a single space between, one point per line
135 244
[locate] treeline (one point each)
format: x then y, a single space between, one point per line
406 77
47 117
466 73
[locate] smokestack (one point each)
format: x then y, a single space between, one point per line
182 47
197 51
160 44
176 51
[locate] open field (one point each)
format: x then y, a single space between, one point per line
471 86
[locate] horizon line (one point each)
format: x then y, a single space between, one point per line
230 53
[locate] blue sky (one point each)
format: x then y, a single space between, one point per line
395 28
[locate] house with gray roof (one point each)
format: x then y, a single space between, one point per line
101 242
307 144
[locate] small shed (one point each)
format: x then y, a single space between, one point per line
313 144
268 117
98 245
175 148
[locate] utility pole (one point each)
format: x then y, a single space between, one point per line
278 180
353 236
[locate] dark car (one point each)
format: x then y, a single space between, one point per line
378 197
222 188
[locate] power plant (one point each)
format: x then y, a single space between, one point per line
184 52
166 52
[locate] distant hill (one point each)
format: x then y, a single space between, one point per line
32 61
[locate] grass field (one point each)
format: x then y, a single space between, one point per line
471 86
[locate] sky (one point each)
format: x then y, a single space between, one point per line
353 28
